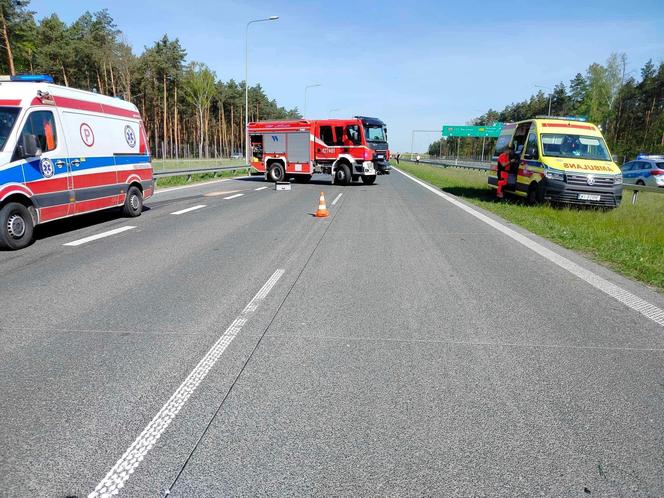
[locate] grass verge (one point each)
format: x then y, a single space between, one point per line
628 239
175 181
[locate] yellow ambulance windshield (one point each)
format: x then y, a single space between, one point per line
574 146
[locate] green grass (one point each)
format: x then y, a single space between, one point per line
174 181
628 239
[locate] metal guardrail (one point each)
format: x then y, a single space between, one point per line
196 171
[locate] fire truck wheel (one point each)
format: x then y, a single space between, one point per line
276 172
368 179
342 175
16 226
133 205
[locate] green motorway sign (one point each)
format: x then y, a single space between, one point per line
472 131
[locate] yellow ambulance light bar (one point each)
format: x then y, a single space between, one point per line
583 119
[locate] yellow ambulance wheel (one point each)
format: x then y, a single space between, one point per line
16 226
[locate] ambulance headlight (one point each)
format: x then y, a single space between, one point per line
554 174
617 180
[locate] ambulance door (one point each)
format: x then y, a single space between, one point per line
48 173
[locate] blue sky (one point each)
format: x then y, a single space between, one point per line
416 65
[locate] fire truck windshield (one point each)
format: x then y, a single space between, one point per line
375 133
7 121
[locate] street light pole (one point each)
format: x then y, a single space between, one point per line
304 110
550 95
246 85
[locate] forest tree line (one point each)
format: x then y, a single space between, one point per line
186 109
628 108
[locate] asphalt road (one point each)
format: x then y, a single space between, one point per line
399 347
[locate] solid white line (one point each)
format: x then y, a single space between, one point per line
627 298
233 196
119 474
98 236
336 199
201 184
260 188
193 208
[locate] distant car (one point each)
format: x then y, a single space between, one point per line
644 171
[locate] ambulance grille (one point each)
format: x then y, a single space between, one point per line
600 181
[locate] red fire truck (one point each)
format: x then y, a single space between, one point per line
347 149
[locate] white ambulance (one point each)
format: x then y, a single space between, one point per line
65 152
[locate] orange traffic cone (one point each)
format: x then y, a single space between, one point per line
322 208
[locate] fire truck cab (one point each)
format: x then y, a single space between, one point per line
346 149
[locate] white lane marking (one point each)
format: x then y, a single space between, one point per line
188 210
336 199
260 188
233 197
98 236
201 184
625 297
119 474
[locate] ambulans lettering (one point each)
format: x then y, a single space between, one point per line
130 136
588 167
87 135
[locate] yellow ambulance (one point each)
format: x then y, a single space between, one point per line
561 160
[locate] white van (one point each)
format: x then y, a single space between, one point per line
65 152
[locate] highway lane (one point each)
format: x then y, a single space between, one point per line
408 348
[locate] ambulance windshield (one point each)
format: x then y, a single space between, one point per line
574 146
7 120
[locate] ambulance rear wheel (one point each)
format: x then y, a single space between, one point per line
276 172
16 227
133 205
342 175
368 179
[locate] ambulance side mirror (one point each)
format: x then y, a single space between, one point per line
28 146
531 153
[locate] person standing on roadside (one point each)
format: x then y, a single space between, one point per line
417 159
504 165
398 156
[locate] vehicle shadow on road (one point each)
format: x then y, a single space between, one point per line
480 194
78 222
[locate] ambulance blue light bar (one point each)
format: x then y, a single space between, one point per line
566 118
28 78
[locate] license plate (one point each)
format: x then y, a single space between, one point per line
589 197
381 157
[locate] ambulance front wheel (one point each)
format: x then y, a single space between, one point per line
16 226
133 205
368 179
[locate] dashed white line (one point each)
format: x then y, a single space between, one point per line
119 474
260 188
233 197
625 297
190 209
98 236
336 199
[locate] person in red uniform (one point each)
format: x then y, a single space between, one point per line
504 165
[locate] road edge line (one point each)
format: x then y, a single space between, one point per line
630 300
